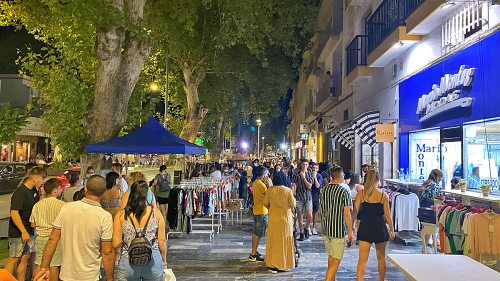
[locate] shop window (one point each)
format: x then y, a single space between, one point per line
482 154
425 152
370 155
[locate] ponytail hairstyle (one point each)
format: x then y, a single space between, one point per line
35 171
372 181
137 199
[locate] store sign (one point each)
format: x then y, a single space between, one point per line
303 128
304 136
299 145
446 95
384 133
427 158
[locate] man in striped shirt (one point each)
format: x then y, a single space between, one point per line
42 219
335 205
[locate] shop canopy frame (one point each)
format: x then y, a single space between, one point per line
363 125
150 138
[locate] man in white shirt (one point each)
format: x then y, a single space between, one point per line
82 244
117 168
215 171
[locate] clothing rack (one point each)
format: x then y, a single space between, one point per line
405 228
213 199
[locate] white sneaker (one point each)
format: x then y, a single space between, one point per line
314 232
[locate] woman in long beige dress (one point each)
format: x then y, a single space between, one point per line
280 254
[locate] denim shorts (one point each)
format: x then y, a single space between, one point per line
259 225
304 205
18 248
151 272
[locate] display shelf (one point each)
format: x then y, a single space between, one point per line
468 195
400 182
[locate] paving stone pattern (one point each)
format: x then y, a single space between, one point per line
194 257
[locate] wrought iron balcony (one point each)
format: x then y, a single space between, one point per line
356 53
387 18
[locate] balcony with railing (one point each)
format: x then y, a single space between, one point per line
427 16
356 60
386 30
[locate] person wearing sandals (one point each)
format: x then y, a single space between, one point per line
139 219
374 216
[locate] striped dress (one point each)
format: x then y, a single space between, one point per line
332 200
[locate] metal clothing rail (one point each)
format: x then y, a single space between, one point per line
206 184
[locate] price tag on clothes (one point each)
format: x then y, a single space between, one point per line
492 227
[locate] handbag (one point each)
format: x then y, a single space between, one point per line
168 275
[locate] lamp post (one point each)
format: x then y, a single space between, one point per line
154 88
259 122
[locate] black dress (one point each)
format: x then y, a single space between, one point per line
372 228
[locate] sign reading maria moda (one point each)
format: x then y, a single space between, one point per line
446 95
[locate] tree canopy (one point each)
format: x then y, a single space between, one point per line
223 56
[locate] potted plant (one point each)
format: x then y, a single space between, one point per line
485 188
462 185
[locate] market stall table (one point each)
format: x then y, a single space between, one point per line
418 267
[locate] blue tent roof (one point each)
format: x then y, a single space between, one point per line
151 138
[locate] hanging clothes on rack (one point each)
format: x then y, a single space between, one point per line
404 211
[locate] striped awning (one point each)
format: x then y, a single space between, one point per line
344 135
364 126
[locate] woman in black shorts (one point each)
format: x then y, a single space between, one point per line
373 217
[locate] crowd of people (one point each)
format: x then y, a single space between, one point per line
353 209
107 228
124 235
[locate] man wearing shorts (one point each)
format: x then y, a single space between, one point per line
302 182
335 205
260 186
42 219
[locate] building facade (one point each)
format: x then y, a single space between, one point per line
380 49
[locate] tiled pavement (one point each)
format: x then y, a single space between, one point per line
194 257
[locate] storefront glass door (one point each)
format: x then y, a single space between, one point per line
451 161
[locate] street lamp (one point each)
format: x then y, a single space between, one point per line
259 122
154 88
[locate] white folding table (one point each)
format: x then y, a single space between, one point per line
421 267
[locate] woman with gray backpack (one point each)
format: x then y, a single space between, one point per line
161 188
139 234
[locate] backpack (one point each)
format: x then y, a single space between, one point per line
164 183
140 249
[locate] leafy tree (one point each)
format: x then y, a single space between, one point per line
102 46
11 121
195 33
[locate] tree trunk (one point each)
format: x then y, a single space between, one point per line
220 131
121 56
196 112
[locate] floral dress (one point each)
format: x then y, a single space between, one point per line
428 194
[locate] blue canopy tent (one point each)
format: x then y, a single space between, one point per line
150 138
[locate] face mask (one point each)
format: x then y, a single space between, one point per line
278 170
255 164
265 174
